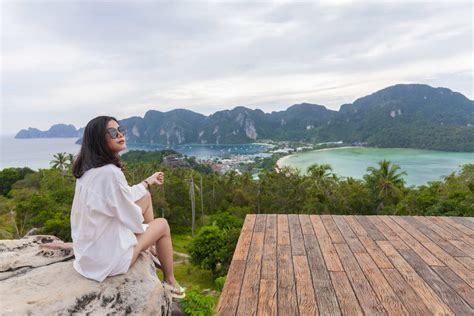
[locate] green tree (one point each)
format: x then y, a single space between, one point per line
60 162
8 176
320 171
208 248
386 182
70 160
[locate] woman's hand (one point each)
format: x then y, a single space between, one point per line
157 178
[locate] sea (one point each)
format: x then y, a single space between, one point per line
421 166
37 153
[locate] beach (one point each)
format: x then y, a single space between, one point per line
280 162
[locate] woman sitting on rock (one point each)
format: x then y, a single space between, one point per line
112 222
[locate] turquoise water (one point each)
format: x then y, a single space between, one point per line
37 153
421 165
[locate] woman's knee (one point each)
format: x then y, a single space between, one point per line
164 224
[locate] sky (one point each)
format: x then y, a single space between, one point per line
70 61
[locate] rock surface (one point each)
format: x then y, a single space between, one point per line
35 281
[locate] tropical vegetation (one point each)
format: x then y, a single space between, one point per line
40 201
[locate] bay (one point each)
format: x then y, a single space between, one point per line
421 165
37 153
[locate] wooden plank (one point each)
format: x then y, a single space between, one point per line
436 226
433 235
318 227
286 290
269 249
355 225
464 290
448 260
251 282
371 247
389 234
461 244
465 230
260 221
375 252
370 228
287 304
439 220
467 261
362 288
329 253
412 242
267 302
444 291
460 231
229 299
345 295
323 289
249 222
411 301
464 221
381 287
347 233
306 226
243 244
451 234
283 230
424 291
304 286
332 230
296 236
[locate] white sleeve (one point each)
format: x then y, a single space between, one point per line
138 191
123 206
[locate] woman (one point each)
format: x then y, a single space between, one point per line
107 214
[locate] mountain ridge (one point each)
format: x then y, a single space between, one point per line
403 115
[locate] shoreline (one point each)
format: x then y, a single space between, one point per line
282 159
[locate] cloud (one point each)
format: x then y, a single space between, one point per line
69 61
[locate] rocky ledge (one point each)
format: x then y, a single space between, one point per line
39 280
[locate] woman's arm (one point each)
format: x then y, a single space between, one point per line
121 202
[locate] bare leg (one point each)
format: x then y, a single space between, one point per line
147 207
158 236
148 215
158 233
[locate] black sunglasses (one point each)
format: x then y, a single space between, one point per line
113 132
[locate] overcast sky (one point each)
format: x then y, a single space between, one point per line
69 61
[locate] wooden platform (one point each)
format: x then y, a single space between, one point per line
333 265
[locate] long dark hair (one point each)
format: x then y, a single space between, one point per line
94 151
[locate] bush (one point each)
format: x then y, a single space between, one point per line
9 176
214 246
220 281
225 221
196 304
208 248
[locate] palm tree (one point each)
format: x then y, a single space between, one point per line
385 181
70 160
60 162
319 172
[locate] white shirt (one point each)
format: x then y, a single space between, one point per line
104 218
